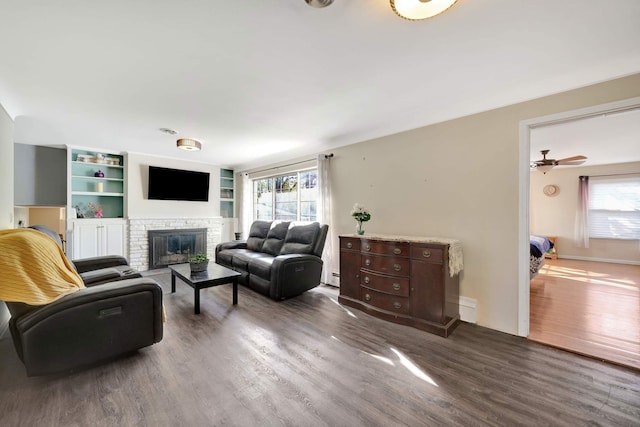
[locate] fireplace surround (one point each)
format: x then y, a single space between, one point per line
175 246
138 235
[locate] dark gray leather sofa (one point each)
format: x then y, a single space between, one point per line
92 325
278 259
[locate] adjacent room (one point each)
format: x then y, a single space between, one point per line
316 212
586 296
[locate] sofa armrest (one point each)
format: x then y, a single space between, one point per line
90 325
294 274
87 264
235 244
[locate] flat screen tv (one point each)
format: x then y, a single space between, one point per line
177 184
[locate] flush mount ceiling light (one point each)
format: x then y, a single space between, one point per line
414 10
319 3
189 144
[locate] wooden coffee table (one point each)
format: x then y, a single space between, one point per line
214 275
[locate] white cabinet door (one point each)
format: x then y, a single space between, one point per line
93 238
113 238
86 240
229 226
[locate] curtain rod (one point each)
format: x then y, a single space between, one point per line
616 174
326 156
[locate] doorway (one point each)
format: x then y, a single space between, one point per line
524 288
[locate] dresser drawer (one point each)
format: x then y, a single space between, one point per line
389 285
349 243
386 264
392 303
400 249
427 253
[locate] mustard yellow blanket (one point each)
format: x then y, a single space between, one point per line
33 268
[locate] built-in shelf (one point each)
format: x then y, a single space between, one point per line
97 178
227 189
85 188
96 193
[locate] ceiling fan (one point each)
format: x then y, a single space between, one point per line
544 165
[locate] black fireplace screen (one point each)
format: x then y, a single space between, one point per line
175 246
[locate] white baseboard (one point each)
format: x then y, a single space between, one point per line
335 279
468 310
613 261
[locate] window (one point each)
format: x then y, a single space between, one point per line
290 197
614 208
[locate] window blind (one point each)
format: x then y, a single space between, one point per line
614 207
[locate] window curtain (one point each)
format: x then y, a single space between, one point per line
246 207
582 214
324 214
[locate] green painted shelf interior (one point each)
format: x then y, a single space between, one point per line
106 192
226 193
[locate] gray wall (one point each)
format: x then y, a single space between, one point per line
40 176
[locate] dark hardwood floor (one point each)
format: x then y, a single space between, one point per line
591 308
309 361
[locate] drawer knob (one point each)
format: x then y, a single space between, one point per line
426 254
397 251
367 262
397 267
367 297
396 286
397 305
367 247
349 245
366 279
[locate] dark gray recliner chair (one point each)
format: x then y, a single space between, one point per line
89 326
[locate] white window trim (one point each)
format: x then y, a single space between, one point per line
300 168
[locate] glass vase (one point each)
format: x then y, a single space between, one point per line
359 229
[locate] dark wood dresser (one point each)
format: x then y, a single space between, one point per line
401 279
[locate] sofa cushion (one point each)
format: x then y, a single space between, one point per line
275 238
241 258
300 239
225 257
257 234
261 267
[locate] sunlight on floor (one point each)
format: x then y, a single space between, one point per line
413 368
349 312
584 276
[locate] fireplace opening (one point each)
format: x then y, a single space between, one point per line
168 247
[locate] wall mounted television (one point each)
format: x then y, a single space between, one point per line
177 184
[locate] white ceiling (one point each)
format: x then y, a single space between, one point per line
603 139
259 80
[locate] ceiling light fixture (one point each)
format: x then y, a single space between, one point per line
189 144
414 10
319 3
168 131
544 168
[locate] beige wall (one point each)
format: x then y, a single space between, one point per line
555 216
457 179
53 217
139 206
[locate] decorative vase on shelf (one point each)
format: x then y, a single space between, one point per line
99 174
359 229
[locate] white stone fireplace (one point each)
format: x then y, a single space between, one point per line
139 235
